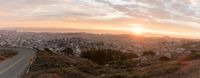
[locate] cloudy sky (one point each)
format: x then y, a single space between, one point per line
160 16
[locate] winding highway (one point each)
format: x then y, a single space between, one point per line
15 66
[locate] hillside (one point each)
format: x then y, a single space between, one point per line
50 65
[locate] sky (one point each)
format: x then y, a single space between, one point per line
180 17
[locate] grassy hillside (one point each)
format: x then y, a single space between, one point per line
6 53
50 65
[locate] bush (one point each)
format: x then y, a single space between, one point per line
194 54
2 58
47 49
164 58
104 56
68 51
7 53
149 53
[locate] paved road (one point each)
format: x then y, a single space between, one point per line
15 66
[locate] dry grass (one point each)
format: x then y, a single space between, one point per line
49 64
7 53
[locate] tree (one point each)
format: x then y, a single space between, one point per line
68 51
47 49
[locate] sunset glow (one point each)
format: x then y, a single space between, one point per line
137 29
157 15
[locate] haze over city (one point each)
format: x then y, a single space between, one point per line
172 17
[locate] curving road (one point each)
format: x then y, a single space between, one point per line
15 66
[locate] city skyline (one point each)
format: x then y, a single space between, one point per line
173 17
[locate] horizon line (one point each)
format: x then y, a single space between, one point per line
92 31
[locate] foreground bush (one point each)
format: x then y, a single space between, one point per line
105 56
50 65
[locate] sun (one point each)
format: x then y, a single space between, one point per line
138 30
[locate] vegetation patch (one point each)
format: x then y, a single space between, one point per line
7 53
194 54
106 56
161 68
114 65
